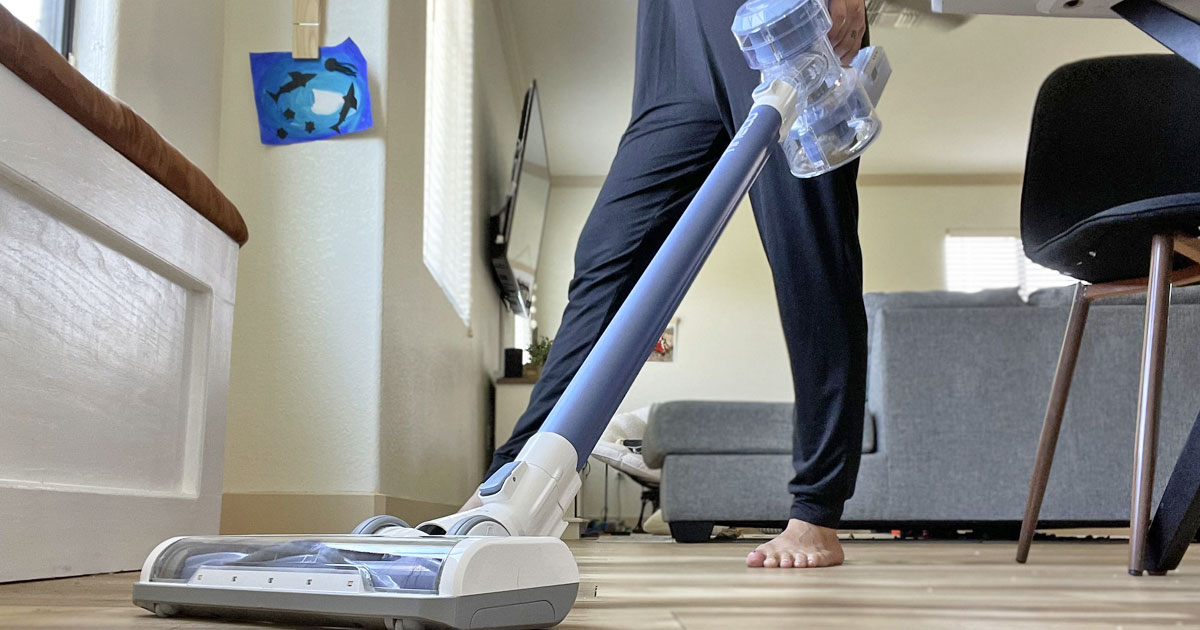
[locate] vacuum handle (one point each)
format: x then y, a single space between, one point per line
593 396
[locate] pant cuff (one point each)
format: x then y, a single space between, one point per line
498 460
819 515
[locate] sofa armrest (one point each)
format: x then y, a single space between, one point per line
714 426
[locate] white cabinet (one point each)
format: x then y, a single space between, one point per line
116 314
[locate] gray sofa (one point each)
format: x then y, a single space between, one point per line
957 387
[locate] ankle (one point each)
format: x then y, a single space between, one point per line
798 526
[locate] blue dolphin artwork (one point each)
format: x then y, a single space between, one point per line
311 99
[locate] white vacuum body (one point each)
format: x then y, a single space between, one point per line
397 583
501 565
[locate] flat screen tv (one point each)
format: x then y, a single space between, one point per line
516 228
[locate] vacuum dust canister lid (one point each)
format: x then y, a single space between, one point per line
771 32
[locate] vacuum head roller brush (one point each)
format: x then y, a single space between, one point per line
788 40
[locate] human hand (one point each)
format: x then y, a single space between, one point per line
849 25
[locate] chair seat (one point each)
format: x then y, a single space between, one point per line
1115 244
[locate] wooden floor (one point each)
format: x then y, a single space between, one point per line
649 584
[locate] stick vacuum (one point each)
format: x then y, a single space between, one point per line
502 565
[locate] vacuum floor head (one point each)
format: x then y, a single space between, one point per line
363 581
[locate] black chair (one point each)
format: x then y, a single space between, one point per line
1112 189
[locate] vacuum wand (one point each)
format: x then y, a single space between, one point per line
593 396
530 495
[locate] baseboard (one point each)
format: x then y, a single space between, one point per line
295 513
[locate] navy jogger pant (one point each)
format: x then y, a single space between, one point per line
692 91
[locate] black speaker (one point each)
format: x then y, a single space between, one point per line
514 363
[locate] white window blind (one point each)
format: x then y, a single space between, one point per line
449 177
975 263
522 335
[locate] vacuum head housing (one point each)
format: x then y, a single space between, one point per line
788 40
363 581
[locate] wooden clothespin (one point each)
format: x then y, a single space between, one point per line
306 29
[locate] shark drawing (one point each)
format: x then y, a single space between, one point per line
299 80
349 102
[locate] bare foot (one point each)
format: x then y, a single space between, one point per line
800 546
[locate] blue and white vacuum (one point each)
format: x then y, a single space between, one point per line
502 565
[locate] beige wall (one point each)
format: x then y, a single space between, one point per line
168 60
356 387
436 371
729 343
729 319
352 374
305 384
164 59
902 227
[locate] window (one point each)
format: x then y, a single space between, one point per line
449 176
51 18
523 335
977 262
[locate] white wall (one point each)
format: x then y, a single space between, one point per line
352 373
729 320
729 343
305 387
164 59
902 228
436 371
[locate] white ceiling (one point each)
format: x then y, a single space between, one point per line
958 102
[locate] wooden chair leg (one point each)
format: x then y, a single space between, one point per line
1158 298
1054 415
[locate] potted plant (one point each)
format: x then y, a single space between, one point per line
538 351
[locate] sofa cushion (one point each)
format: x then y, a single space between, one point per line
876 302
699 426
1061 297
1053 296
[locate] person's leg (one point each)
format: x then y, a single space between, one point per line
809 230
674 138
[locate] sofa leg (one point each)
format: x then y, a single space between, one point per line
1053 420
691 531
1154 345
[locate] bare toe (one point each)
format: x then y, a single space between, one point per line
802 545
